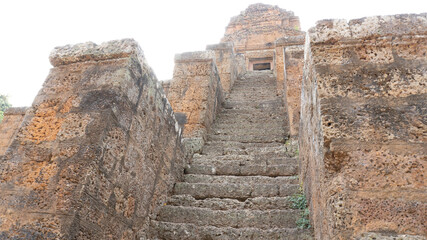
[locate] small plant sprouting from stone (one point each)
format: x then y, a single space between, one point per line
299 201
304 221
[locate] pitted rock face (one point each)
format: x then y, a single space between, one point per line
259 26
100 147
363 124
89 51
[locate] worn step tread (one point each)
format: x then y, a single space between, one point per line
257 203
244 180
188 231
242 168
249 138
257 149
262 219
234 190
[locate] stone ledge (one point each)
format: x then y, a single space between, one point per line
220 46
333 30
291 40
90 51
198 56
16 111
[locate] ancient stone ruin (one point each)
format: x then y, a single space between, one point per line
273 133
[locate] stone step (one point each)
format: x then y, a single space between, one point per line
243 180
280 138
256 105
251 111
219 127
234 191
247 129
187 231
252 92
255 88
230 218
264 150
200 159
258 203
251 118
242 168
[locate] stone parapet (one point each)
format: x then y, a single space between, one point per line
291 40
195 94
97 152
198 56
363 124
289 65
226 64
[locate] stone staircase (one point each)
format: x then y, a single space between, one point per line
239 187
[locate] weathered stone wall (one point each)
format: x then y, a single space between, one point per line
166 84
259 26
289 66
240 63
97 152
9 126
195 94
226 64
363 141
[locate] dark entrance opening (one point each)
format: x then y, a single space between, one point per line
262 66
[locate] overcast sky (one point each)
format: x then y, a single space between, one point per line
31 29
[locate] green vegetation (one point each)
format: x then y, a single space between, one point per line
4 104
304 221
299 201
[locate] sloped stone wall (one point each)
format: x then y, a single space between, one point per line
195 94
96 154
363 141
289 70
9 126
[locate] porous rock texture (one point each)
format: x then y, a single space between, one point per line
259 26
226 64
9 126
195 94
289 66
239 186
363 133
96 153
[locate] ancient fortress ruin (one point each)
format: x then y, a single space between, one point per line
225 149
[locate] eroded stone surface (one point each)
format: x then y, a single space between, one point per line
96 153
9 127
259 26
195 94
363 123
226 64
289 70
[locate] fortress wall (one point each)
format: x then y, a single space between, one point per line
363 133
195 94
96 154
9 126
289 71
226 64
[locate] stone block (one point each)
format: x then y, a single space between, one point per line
93 156
363 123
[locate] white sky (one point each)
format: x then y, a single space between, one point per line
29 30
